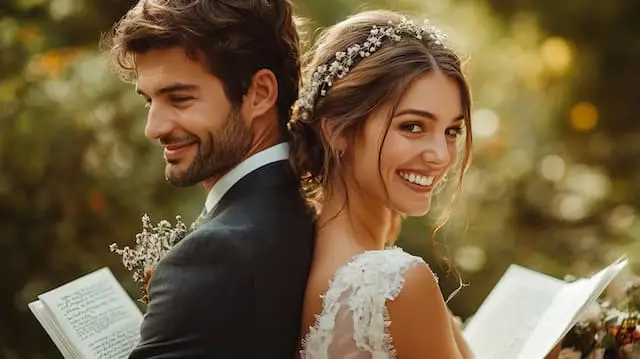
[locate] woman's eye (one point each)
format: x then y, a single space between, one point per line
454 132
412 127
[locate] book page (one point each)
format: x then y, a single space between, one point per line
512 311
565 310
65 347
96 314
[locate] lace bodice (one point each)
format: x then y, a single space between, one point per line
354 321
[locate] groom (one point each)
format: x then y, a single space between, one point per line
219 78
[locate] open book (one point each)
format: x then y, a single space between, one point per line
527 313
92 317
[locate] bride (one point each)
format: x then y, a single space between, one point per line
383 118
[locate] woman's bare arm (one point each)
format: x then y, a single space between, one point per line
461 342
421 326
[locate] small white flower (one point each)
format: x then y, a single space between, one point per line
152 244
592 313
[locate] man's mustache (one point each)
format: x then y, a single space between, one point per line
173 139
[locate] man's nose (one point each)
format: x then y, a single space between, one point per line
159 123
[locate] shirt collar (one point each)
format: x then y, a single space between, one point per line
272 154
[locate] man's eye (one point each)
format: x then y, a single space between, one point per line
180 99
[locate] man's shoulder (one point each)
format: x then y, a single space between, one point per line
276 208
208 242
247 223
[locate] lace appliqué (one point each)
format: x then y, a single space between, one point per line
354 322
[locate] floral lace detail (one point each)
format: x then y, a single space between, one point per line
354 321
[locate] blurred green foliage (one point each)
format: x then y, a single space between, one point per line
554 183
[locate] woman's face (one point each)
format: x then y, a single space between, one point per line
402 168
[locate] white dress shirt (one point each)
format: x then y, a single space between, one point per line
272 154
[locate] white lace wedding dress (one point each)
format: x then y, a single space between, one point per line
354 321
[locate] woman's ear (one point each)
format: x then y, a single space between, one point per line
337 141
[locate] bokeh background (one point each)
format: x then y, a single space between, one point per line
554 185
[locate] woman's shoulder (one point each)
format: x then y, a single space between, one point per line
391 256
381 272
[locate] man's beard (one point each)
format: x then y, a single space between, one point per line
222 151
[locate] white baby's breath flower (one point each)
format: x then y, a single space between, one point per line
152 244
592 313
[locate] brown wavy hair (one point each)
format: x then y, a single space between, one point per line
378 79
234 39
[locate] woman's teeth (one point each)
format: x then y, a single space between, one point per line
417 179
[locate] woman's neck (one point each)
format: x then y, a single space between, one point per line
366 222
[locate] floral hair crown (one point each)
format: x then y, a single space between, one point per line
324 75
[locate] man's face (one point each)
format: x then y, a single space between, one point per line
202 134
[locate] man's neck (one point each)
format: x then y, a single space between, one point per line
278 152
256 147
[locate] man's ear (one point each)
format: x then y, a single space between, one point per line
262 94
337 141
